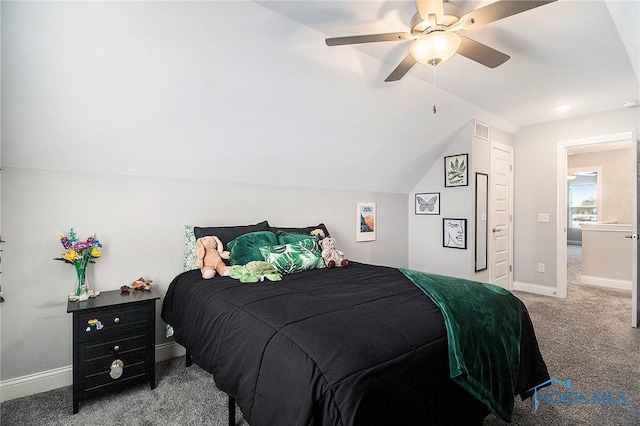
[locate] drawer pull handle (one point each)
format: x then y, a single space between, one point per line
116 369
116 319
116 348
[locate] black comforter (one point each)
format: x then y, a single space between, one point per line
347 346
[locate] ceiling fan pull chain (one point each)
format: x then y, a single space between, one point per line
434 89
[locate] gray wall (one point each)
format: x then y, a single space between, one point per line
536 186
140 222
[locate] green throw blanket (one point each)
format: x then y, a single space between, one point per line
483 330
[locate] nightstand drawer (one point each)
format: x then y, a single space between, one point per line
112 322
102 366
101 380
114 347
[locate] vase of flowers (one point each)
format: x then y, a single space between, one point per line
80 254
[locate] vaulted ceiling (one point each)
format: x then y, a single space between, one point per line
582 53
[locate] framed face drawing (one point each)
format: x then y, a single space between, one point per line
454 233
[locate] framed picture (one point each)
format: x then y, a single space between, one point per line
366 222
456 170
428 203
454 233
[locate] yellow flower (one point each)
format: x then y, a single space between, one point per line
71 254
95 252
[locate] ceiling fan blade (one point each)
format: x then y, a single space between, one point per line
481 53
369 38
500 10
428 7
401 69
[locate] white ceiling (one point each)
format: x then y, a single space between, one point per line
584 53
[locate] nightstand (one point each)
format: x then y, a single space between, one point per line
113 342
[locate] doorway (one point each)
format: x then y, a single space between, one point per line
565 150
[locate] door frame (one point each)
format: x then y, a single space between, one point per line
561 207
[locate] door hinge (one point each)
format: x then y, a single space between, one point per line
510 268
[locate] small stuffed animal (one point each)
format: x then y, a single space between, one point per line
331 256
318 233
209 257
254 271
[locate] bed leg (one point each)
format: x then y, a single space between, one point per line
232 410
188 361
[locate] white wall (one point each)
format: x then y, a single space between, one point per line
140 222
536 187
426 251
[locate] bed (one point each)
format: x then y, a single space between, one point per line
361 345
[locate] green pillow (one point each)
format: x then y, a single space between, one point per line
245 248
293 237
295 257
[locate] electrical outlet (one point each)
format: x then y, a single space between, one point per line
540 267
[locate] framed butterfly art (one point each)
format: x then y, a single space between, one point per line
428 203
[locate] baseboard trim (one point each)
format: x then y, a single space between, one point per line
59 377
542 290
36 383
165 351
605 282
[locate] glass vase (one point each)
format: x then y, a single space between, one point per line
81 284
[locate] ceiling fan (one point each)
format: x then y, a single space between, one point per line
434 31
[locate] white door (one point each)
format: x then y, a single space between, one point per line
500 225
635 219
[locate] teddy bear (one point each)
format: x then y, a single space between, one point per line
209 255
331 256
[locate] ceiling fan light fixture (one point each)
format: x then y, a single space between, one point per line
435 47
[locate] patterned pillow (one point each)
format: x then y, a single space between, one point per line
189 262
245 248
295 257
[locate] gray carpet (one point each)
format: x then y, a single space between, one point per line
574 263
586 338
